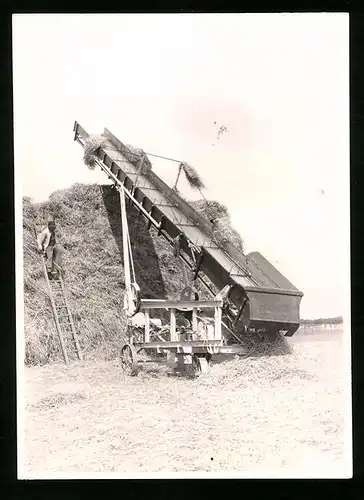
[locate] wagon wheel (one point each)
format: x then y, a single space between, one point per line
129 361
202 364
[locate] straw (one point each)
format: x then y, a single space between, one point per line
92 144
192 176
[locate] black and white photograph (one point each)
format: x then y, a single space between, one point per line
182 210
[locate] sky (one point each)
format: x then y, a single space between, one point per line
279 83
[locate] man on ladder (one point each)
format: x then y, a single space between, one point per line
52 250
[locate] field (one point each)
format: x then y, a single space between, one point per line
250 417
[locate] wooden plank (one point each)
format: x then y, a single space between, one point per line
167 304
275 291
178 344
173 325
147 325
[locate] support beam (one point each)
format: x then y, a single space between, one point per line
173 304
161 225
198 265
173 326
218 315
194 320
146 326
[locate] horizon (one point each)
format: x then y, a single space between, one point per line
282 166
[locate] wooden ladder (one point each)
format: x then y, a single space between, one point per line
63 318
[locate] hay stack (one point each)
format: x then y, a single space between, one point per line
90 232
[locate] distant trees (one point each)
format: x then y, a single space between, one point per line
322 321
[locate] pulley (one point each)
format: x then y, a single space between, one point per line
132 300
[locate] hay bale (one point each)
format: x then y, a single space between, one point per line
92 144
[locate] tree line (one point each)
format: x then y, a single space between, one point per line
323 321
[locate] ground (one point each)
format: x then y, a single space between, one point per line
91 418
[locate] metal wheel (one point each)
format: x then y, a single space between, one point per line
132 300
129 361
199 366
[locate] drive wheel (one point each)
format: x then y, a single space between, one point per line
129 361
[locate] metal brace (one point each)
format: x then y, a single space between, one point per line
161 225
177 244
198 265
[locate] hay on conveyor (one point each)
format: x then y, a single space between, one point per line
134 155
192 176
92 144
223 230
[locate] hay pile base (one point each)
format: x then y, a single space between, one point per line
267 360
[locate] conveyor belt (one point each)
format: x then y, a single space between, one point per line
266 298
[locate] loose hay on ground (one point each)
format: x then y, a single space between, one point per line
150 424
56 400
